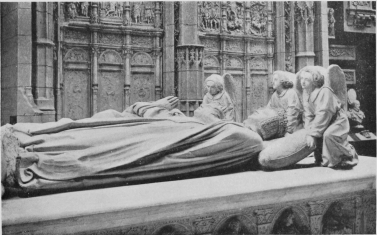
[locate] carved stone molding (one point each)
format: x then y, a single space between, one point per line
350 75
339 52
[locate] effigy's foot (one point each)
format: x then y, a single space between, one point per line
169 102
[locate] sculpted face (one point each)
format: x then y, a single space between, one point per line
276 82
211 88
306 80
357 104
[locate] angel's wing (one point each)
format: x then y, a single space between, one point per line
231 90
352 97
337 81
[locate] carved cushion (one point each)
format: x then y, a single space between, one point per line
268 123
285 151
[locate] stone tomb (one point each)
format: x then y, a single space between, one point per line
319 199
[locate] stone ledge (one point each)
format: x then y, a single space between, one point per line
130 205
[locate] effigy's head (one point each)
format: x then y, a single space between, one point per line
209 113
310 77
215 84
280 78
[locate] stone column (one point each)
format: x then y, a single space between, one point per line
127 52
304 18
321 36
168 62
43 76
189 57
279 36
126 13
17 103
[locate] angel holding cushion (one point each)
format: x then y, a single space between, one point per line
326 121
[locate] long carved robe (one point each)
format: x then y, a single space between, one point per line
115 148
324 118
222 99
290 102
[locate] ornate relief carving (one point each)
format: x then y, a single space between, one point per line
288 37
211 61
258 19
369 203
264 216
142 41
203 224
110 38
342 52
142 87
234 45
210 44
76 36
258 63
350 76
257 47
142 58
234 62
315 224
110 56
304 12
209 14
111 9
111 89
76 94
317 207
191 55
143 12
137 231
70 10
76 55
234 23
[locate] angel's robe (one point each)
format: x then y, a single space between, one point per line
324 118
289 101
224 101
113 148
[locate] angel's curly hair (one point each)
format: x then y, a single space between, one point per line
318 78
217 80
284 80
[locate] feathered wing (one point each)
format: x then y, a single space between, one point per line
337 81
231 90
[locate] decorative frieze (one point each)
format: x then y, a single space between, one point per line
234 45
141 41
338 52
110 38
71 35
359 16
258 63
209 16
259 19
211 44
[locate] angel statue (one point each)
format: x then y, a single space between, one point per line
355 115
287 99
216 94
324 100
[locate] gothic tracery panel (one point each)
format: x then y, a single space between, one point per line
110 91
142 87
76 94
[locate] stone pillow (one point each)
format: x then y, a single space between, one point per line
268 123
285 151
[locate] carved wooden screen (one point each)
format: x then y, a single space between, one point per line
238 40
110 55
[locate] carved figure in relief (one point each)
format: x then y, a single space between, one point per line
287 99
258 19
218 96
148 13
109 148
234 16
85 8
72 11
287 224
355 115
336 221
331 22
325 118
136 13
